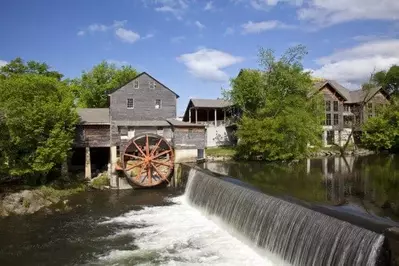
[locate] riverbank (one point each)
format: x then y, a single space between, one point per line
218 154
22 200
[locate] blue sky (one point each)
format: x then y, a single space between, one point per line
195 46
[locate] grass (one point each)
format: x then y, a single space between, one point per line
221 151
100 181
54 193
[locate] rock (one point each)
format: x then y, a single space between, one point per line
24 202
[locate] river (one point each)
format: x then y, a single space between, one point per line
159 226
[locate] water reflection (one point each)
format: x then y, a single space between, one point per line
364 184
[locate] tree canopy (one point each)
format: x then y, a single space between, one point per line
37 121
92 88
279 118
388 79
19 67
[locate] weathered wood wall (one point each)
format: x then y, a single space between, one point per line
193 138
92 136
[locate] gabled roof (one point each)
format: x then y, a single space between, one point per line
178 123
350 96
210 103
93 116
139 75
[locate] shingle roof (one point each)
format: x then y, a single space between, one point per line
210 103
143 123
350 96
178 123
93 116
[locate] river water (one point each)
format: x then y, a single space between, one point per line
144 227
160 227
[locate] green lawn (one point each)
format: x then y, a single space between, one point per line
220 151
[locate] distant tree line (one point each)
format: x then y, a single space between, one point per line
38 114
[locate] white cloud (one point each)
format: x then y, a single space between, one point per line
266 4
95 27
208 64
177 39
127 35
329 12
199 25
148 36
3 63
354 65
118 63
228 31
209 6
175 7
256 27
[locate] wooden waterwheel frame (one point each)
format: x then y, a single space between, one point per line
152 156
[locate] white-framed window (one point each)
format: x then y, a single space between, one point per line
130 103
136 84
158 104
152 84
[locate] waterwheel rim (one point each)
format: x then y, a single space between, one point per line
148 160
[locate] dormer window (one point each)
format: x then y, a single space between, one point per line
130 103
152 84
136 84
158 104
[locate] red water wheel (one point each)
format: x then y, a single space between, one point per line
148 160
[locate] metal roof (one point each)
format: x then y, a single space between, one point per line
210 103
143 123
178 123
93 116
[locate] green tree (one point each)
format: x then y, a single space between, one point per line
19 67
279 118
92 87
382 132
37 125
389 79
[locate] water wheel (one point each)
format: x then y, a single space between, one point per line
148 160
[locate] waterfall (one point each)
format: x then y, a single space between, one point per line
298 235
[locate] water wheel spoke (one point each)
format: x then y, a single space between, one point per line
149 173
162 163
159 173
134 166
141 170
162 153
147 146
133 156
138 148
156 147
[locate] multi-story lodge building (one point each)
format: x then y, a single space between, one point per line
346 110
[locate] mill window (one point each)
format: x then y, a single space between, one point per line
152 84
136 84
130 103
158 104
335 106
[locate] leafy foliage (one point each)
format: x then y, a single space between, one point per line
389 80
279 118
19 67
92 87
382 132
38 123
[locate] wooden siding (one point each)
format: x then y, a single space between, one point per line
189 138
92 136
144 101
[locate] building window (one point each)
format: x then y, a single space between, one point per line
347 108
328 106
130 103
328 119
335 106
330 137
158 104
151 84
136 84
336 119
370 109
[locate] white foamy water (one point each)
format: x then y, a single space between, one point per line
178 235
